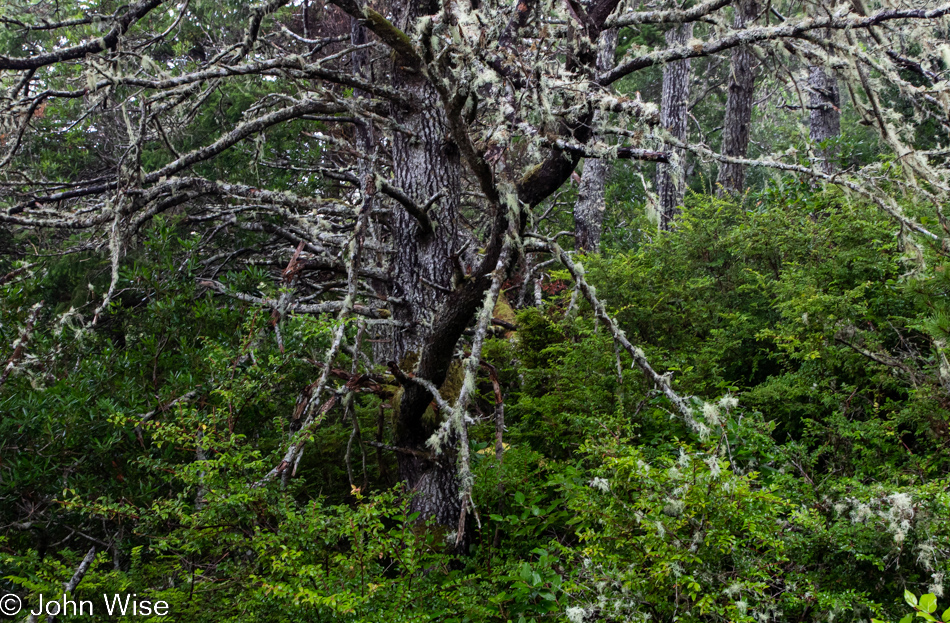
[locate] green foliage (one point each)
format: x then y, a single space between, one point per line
813 358
925 608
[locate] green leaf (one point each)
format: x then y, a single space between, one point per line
924 615
945 617
519 497
526 573
908 618
910 598
928 602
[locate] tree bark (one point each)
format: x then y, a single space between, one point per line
735 136
825 114
426 162
671 178
591 205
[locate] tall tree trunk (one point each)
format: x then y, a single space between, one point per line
590 207
735 135
425 163
825 114
674 110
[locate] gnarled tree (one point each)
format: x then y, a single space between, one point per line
391 170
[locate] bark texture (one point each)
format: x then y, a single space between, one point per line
735 134
825 114
426 163
674 110
591 205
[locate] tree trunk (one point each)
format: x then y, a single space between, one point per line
435 292
735 135
671 178
590 207
825 114
425 163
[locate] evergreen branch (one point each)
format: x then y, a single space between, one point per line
109 41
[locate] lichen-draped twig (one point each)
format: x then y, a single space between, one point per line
754 35
679 403
145 417
20 343
317 308
499 443
295 452
116 241
348 405
432 389
883 201
669 16
71 585
472 363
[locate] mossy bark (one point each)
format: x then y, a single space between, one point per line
824 114
674 110
738 119
591 205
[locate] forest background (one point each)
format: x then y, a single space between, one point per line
468 310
